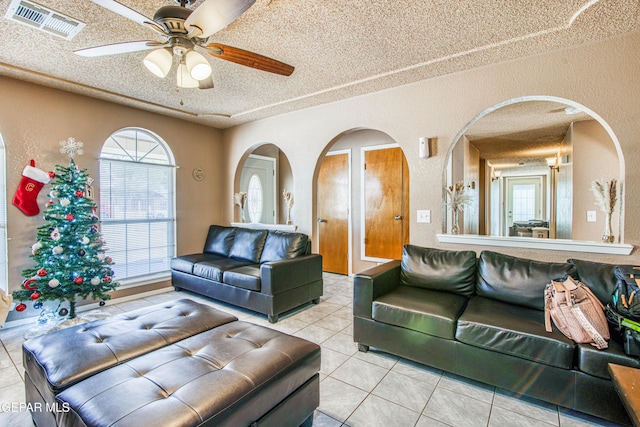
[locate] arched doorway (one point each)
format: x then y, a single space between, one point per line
362 201
264 172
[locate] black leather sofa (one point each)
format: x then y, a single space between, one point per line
483 318
180 363
266 271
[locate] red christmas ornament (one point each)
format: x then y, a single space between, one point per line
21 307
27 284
107 279
69 217
34 296
51 174
78 280
79 193
42 272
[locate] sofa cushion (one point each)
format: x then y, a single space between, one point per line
598 277
248 244
423 310
247 277
516 280
594 362
185 263
436 269
281 245
213 270
219 240
513 330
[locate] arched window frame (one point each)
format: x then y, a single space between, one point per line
4 251
130 221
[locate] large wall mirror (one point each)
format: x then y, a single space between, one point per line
264 173
526 166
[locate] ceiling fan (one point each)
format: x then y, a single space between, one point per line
185 32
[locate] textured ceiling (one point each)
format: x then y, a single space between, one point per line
523 133
340 48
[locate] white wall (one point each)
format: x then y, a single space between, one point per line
603 77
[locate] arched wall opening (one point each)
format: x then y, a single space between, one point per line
283 181
354 146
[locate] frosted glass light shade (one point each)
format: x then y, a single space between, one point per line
197 65
159 61
184 79
213 15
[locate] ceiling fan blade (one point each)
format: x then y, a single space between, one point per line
213 15
249 59
129 13
113 49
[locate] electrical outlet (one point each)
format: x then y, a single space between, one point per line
424 216
591 216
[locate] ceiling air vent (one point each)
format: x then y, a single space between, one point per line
44 19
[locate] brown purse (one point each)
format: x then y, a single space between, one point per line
576 312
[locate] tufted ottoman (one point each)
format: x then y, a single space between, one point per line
177 364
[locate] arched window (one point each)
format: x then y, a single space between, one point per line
4 286
137 204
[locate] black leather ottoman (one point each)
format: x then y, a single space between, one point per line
199 366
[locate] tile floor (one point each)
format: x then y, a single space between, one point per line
357 389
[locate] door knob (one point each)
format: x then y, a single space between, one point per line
322 220
397 217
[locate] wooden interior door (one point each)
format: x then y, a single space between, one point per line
386 203
333 213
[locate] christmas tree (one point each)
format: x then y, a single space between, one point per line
69 254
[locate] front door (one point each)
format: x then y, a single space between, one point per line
257 180
386 203
333 213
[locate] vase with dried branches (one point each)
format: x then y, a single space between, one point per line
457 199
288 199
240 199
606 194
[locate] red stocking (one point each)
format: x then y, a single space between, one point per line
26 198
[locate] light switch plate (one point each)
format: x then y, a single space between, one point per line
591 216
424 216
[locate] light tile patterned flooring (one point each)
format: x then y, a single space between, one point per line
357 389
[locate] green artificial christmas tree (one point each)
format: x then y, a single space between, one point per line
69 254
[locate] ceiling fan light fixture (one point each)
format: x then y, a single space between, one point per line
184 79
159 62
197 65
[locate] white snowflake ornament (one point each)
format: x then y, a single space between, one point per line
71 147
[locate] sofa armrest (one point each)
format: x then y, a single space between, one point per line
370 284
279 276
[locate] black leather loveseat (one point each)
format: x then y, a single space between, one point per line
483 318
266 271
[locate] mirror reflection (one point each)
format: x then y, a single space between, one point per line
264 175
526 167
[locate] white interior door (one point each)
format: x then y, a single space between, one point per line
258 181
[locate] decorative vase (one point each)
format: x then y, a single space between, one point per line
607 234
241 214
454 223
289 216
